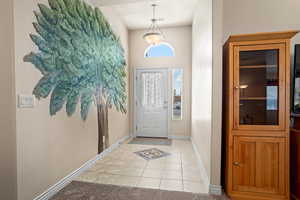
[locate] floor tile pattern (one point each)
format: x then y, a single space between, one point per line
151 154
177 172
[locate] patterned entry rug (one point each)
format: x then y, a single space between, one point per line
90 191
151 154
151 141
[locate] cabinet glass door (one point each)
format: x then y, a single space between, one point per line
259 89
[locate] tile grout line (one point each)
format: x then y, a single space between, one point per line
181 171
143 172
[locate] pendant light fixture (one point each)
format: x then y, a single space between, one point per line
154 36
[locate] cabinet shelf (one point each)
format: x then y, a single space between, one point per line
257 66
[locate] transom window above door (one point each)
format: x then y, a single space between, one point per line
161 50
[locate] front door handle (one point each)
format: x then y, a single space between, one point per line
236 163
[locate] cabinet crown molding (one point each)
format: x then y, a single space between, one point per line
263 36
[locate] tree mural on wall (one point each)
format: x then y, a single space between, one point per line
81 60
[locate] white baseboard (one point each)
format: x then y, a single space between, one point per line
66 180
201 165
215 189
178 137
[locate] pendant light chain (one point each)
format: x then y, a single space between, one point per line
154 35
154 6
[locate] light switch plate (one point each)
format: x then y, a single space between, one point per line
25 101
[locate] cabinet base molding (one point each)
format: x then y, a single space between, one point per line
257 197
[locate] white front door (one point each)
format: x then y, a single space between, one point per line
152 103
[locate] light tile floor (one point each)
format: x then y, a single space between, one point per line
179 171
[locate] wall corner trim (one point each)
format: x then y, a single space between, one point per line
201 165
66 180
215 189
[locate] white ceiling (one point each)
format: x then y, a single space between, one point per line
136 14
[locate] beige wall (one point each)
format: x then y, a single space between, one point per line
180 39
8 169
202 83
49 148
261 16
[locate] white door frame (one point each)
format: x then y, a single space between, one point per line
135 99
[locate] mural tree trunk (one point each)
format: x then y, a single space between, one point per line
81 60
103 139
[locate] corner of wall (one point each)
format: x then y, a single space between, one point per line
8 146
204 173
202 84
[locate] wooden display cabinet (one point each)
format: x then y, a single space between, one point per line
256 116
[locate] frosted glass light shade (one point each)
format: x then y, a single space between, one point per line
153 38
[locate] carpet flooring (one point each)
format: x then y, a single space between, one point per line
89 191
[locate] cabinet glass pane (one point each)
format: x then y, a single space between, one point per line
259 87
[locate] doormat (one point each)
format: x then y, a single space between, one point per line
151 154
151 141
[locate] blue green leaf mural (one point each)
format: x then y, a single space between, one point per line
81 60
